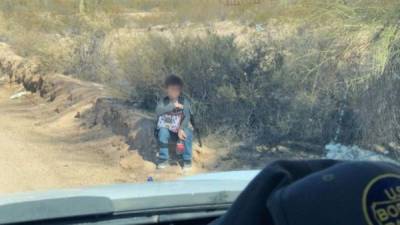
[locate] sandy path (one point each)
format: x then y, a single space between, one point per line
31 159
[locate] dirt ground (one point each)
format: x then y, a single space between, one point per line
42 150
33 159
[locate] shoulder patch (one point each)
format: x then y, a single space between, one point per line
381 200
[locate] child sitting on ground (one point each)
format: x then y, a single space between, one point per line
173 121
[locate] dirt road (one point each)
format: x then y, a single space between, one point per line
38 157
44 147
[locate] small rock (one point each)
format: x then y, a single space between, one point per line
19 94
77 115
282 148
259 28
395 146
380 149
262 148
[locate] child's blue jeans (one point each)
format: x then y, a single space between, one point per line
164 135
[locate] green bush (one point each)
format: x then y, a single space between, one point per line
309 87
242 89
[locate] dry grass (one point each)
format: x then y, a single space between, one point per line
287 83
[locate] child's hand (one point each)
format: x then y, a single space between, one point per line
178 105
181 134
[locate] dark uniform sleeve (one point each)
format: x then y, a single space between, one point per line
187 111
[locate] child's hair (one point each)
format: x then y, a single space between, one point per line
173 80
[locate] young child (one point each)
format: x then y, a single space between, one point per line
173 115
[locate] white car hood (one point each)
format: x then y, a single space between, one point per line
199 190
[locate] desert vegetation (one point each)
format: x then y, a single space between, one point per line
265 71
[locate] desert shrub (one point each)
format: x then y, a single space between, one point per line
308 87
247 89
379 104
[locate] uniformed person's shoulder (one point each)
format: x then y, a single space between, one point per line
164 100
188 101
185 99
320 192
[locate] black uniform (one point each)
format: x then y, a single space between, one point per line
321 192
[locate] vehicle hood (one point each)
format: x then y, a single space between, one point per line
199 190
